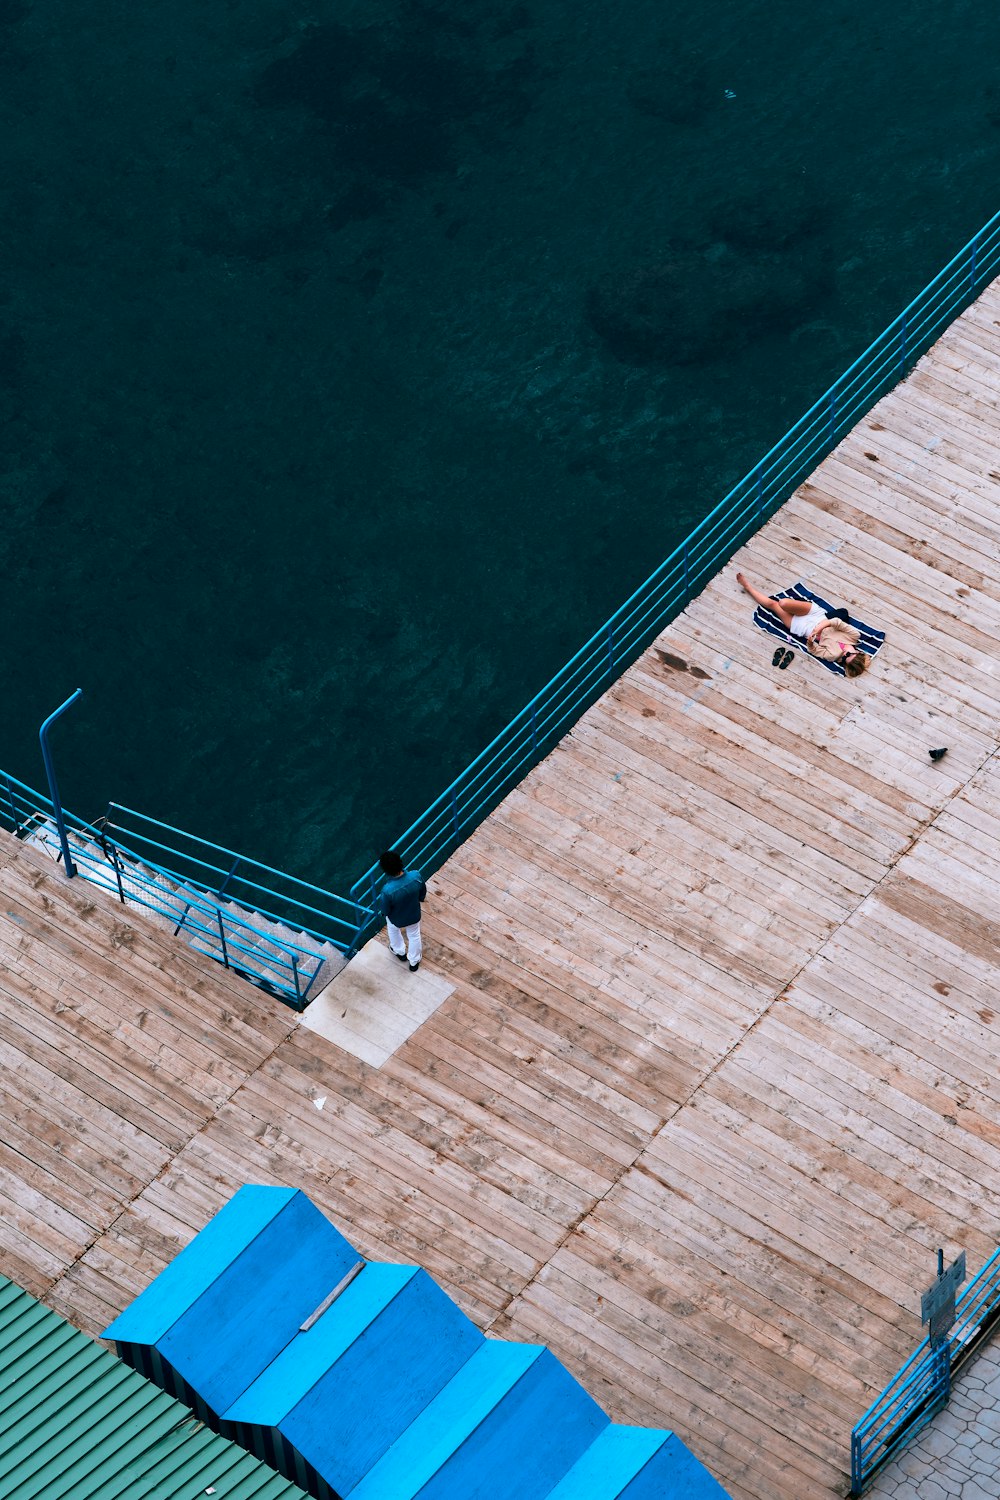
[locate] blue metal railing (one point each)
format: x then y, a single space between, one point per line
50 773
533 732
923 1385
215 906
235 877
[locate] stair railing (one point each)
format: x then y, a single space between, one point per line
211 918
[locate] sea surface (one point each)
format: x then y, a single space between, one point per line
358 360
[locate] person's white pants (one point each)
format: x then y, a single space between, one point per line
405 941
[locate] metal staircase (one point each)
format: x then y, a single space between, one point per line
288 962
291 944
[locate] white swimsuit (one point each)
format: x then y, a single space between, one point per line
804 625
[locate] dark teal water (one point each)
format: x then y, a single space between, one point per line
357 361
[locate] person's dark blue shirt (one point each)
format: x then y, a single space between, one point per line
401 898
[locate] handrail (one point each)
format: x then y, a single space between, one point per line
336 921
213 918
50 772
193 901
231 853
919 1390
346 922
529 736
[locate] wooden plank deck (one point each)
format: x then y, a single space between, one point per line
719 1072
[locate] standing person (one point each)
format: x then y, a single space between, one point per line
401 897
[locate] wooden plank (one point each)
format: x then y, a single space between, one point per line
647 1211
621 1044
621 1001
739 1440
638 912
720 1067
130 953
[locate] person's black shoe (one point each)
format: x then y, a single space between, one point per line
787 657
400 956
938 754
775 659
415 967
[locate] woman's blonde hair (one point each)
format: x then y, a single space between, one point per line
856 663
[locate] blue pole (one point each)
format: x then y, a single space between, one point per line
222 934
13 808
50 771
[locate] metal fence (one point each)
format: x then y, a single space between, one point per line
274 935
222 876
532 733
923 1385
257 887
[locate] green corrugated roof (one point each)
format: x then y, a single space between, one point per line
77 1424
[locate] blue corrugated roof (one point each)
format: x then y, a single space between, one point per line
77 1424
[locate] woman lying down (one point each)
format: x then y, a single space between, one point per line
830 637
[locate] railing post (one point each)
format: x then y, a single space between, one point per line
833 417
857 1467
13 808
942 1374
760 495
118 874
355 943
298 987
611 650
50 771
687 582
222 935
972 264
534 728
229 877
902 345
454 813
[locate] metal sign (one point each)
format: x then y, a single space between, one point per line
937 1305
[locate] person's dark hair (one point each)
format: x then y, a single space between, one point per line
391 863
856 663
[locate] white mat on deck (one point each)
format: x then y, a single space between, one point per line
372 1006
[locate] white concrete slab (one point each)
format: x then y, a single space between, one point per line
374 1003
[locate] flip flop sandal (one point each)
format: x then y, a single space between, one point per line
787 657
776 658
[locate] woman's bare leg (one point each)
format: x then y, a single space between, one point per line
785 609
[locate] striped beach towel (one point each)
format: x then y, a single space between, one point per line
871 640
